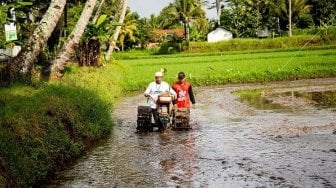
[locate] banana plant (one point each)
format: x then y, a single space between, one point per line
103 29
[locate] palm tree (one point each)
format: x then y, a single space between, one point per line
186 11
261 10
123 4
127 30
74 37
155 22
22 65
290 9
200 28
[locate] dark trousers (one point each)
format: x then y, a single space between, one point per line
157 118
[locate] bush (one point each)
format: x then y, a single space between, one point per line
328 34
305 21
169 48
316 31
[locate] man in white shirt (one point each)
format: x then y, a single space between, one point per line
153 90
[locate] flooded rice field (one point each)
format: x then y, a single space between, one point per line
275 135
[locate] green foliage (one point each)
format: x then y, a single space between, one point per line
103 29
328 34
173 44
127 31
240 22
169 48
73 14
101 20
185 11
305 21
323 11
244 18
199 29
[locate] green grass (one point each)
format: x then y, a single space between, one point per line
239 67
138 54
258 44
105 81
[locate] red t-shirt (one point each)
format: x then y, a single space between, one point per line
182 91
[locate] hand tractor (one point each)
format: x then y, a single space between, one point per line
169 115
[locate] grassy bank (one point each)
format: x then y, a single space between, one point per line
260 44
43 127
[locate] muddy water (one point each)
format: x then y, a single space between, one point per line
232 144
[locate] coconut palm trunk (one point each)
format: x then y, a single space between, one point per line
290 19
219 11
74 38
187 31
117 31
22 65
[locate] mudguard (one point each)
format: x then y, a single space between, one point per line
144 118
181 119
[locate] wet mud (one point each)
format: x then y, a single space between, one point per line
232 144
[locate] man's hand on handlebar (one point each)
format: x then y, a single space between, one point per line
147 95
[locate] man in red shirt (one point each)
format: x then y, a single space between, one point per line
184 92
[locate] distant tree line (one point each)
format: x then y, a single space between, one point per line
246 17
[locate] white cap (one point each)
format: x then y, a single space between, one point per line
158 74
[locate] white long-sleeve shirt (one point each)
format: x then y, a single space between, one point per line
155 89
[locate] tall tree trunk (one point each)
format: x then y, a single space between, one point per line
185 30
117 31
188 32
290 19
219 11
95 18
21 66
74 37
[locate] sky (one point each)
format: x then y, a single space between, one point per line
147 7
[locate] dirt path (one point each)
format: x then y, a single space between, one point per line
231 145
